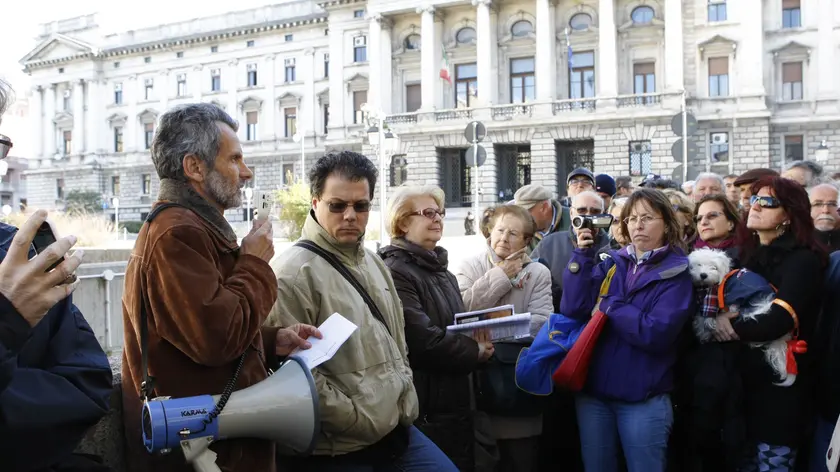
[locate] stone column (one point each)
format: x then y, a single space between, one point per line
132 90
50 132
307 117
429 68
374 51
546 62
749 57
484 59
607 64
230 83
78 146
93 120
338 55
36 118
386 71
269 111
194 85
674 80
825 51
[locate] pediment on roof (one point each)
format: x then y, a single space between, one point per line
716 39
58 46
63 117
792 46
357 79
288 97
117 118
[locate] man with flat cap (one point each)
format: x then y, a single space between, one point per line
745 181
549 215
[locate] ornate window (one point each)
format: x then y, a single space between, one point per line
521 29
465 35
580 21
412 42
642 15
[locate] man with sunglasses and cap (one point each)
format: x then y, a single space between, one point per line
744 183
367 399
55 381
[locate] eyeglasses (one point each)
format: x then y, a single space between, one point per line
765 202
711 216
643 220
581 182
341 207
588 211
430 213
5 146
828 205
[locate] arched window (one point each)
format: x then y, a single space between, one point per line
465 35
521 29
642 15
412 42
581 21
399 170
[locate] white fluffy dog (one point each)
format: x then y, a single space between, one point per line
708 267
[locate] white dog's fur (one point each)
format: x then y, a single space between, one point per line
707 268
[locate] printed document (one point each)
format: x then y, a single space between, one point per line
334 332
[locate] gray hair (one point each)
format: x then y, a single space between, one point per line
589 193
710 176
188 129
7 96
810 166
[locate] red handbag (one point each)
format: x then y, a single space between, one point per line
572 371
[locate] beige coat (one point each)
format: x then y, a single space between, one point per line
483 285
366 390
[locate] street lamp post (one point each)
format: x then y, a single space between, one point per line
383 143
116 202
300 137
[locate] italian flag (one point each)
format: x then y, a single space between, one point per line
444 66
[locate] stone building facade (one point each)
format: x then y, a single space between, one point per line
558 84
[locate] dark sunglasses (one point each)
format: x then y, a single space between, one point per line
341 207
712 215
765 202
430 213
5 146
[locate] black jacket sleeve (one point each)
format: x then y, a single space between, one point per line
801 284
57 385
428 344
14 331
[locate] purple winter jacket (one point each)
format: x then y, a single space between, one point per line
647 306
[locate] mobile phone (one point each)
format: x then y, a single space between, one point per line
45 236
263 203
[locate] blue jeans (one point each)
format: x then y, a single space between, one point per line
640 429
422 455
819 445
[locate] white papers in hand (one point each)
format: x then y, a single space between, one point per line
334 332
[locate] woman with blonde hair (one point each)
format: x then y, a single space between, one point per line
441 360
684 208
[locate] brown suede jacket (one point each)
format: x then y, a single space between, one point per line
206 305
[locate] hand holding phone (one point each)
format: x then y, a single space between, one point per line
34 286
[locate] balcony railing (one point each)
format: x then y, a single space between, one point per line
565 107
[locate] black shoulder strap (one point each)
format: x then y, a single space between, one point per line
341 269
148 384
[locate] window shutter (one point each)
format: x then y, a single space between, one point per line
644 68
791 72
719 66
251 117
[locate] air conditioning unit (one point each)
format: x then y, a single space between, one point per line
118 87
182 77
252 67
359 41
327 56
290 62
720 138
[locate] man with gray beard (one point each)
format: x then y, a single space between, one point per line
197 297
824 213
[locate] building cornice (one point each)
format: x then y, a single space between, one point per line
200 38
337 3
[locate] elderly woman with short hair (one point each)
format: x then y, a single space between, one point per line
441 360
503 274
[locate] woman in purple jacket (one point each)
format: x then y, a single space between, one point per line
626 402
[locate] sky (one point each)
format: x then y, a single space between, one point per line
17 34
